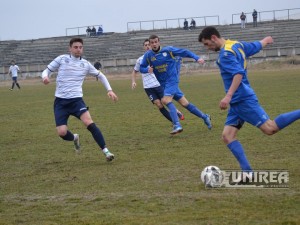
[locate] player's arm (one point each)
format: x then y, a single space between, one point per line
186 53
45 76
237 79
145 65
106 84
133 78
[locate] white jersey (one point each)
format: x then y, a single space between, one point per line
13 69
71 74
149 79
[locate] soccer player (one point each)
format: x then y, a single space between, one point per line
72 69
152 87
163 63
243 102
13 70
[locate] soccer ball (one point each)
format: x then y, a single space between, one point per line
212 176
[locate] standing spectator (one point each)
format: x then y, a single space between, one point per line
152 87
254 15
72 70
239 97
13 70
185 24
163 63
193 24
88 31
93 32
98 66
100 30
243 20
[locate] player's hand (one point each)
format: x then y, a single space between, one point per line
150 69
224 103
46 80
201 61
112 96
133 85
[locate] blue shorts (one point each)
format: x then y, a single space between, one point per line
173 90
155 93
63 108
248 111
15 79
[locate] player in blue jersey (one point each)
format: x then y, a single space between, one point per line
163 63
72 69
152 87
243 102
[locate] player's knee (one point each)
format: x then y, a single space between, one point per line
226 139
61 133
269 128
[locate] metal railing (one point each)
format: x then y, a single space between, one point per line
171 23
80 30
272 15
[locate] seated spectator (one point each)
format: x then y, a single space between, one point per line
185 24
93 33
100 30
88 31
193 24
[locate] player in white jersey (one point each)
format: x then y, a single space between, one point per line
13 70
72 69
152 87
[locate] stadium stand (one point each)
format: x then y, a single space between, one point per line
119 51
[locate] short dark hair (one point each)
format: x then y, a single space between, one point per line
153 36
207 32
75 40
146 40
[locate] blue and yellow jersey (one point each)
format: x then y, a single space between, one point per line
232 61
164 63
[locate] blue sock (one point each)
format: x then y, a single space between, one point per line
193 109
69 136
237 150
173 113
166 113
97 135
286 119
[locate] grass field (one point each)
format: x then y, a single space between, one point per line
154 178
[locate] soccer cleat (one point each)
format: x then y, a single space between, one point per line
108 155
76 143
180 115
207 121
176 129
10 89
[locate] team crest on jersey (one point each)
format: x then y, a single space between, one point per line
82 65
153 58
164 54
67 61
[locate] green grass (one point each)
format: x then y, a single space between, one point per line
155 177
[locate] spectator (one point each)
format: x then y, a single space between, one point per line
254 15
98 66
88 31
100 30
185 24
193 24
93 33
13 70
243 20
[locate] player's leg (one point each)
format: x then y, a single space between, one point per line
193 109
61 115
169 91
155 95
229 136
16 81
97 134
280 122
13 83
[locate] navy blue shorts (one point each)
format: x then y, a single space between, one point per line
155 93
63 108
